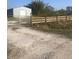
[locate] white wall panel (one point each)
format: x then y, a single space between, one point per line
21 12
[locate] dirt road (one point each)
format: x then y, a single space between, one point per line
26 43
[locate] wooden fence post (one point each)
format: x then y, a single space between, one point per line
70 17
45 19
65 23
66 17
57 19
19 21
30 20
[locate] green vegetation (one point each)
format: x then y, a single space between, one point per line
39 8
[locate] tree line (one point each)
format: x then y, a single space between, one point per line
39 8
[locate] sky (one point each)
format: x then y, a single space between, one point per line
57 4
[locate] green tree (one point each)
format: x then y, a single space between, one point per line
61 12
37 7
41 9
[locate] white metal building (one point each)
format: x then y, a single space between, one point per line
23 14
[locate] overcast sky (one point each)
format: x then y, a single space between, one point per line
58 4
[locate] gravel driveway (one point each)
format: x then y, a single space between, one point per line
26 43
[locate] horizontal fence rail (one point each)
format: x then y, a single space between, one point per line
50 19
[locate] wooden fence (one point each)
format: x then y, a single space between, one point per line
37 20
50 19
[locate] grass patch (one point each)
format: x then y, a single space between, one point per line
54 27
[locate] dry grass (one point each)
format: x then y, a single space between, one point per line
54 27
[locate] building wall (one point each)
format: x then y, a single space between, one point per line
22 12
